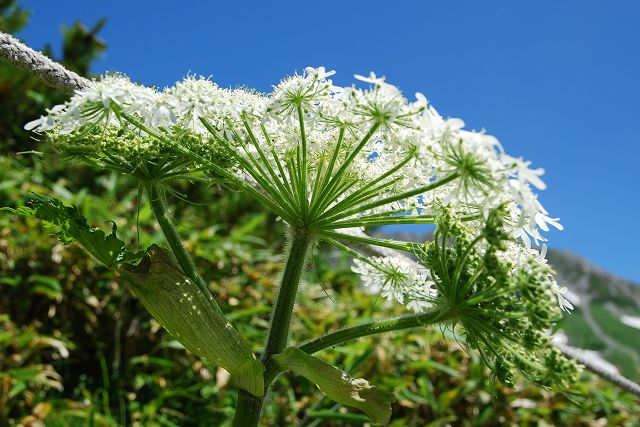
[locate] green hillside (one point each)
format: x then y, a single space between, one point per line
596 323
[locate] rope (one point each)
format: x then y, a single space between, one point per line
579 356
39 65
59 77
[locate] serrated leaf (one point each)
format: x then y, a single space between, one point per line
70 226
182 309
337 384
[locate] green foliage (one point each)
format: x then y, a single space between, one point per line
580 332
625 351
81 46
23 97
615 328
338 385
71 226
179 306
140 376
22 370
12 16
597 324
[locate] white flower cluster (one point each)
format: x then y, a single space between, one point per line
326 157
182 104
517 255
397 279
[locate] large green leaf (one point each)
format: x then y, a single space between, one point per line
172 299
338 385
71 226
182 309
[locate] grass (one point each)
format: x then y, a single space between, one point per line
613 327
579 332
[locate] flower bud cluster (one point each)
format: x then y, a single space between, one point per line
500 295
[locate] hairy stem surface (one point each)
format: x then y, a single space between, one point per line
249 407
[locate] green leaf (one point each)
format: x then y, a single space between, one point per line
46 286
28 373
10 281
71 226
182 309
17 388
328 414
338 385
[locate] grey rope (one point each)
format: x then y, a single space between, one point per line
578 355
57 76
39 65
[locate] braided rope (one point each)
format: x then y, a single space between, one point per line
39 65
579 355
59 77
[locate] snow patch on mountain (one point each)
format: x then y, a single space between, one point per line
632 321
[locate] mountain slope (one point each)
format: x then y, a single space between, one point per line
607 312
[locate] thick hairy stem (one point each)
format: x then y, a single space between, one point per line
281 314
249 407
160 211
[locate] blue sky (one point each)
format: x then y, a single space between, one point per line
556 81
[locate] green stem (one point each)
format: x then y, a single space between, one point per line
249 407
248 410
160 211
410 247
376 327
281 314
389 200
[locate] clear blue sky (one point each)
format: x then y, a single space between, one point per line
558 82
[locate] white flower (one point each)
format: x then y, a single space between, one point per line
564 303
397 279
319 73
45 123
531 176
372 79
544 221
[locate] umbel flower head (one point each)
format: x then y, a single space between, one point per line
333 161
322 157
397 279
499 294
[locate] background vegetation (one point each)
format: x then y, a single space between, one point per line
77 349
